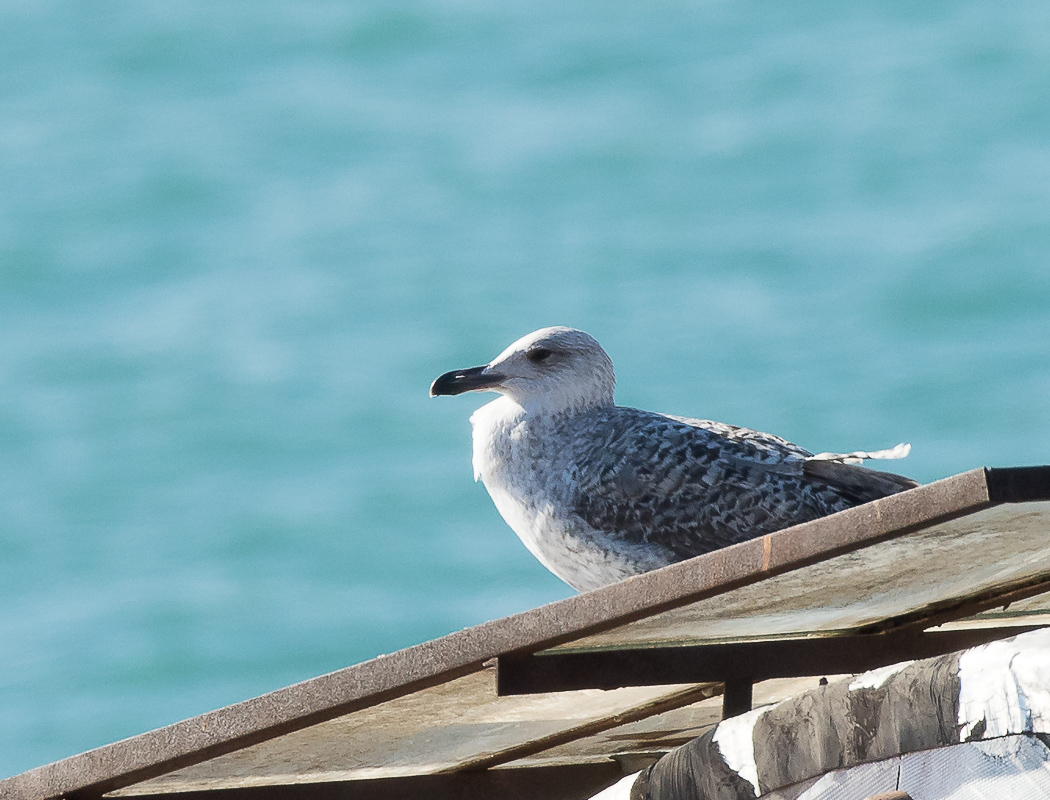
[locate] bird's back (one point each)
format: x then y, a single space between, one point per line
691 486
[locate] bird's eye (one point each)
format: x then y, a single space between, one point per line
538 355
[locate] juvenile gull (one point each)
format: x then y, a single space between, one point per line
600 492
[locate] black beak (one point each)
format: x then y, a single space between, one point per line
458 381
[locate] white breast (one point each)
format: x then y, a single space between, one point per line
502 464
528 500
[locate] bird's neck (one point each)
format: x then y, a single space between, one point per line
505 425
507 411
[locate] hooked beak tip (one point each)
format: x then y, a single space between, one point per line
475 379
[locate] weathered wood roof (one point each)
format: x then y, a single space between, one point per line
516 707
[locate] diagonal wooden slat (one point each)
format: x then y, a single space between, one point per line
570 782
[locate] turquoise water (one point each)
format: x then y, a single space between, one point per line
238 240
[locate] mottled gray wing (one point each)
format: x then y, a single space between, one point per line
692 486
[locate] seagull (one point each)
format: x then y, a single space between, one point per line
600 492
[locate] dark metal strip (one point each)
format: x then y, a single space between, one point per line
737 697
1018 484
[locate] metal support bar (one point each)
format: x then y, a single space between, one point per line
1018 484
736 697
739 662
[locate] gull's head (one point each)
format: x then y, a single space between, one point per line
552 369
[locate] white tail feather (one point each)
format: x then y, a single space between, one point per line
857 456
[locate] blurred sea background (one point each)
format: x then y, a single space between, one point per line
238 241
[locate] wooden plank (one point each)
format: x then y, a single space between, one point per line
576 782
457 726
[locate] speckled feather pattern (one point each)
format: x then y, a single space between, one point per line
690 485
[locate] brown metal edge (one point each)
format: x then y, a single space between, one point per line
375 681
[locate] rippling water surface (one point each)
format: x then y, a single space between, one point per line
238 240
